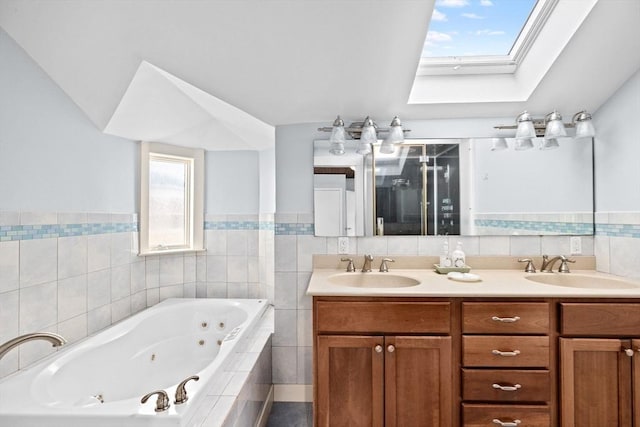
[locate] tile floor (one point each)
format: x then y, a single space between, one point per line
290 414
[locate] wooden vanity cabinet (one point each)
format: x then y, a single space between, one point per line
386 377
600 364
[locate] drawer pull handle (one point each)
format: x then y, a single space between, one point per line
378 348
506 353
628 352
513 423
514 387
391 349
513 319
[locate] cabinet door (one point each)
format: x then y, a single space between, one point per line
350 375
418 383
595 382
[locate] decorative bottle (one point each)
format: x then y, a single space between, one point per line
445 260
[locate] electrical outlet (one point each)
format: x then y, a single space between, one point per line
575 245
343 245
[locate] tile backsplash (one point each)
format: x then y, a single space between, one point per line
617 243
77 273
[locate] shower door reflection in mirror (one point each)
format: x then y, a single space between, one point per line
417 190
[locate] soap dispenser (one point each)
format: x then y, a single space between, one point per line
458 257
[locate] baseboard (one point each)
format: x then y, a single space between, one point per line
293 393
266 410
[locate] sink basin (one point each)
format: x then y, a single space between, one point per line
372 280
580 281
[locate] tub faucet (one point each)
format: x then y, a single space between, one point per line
162 403
366 268
181 391
54 339
547 264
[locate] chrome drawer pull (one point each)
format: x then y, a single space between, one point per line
628 352
506 353
514 387
506 319
513 423
378 348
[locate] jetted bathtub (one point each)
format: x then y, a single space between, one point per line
99 381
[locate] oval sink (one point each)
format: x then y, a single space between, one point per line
580 281
372 280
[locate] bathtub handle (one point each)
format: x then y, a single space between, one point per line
181 391
162 404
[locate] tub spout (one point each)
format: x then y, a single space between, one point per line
162 403
55 339
181 391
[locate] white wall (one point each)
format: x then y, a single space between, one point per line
618 150
267 160
52 157
232 182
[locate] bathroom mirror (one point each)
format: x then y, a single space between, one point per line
455 187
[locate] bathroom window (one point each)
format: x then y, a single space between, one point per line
171 199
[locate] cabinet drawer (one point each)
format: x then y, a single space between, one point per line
600 319
505 318
505 351
518 385
484 415
383 317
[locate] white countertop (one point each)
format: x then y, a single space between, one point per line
494 283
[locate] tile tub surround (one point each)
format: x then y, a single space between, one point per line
292 341
77 273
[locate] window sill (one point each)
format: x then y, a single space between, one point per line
172 252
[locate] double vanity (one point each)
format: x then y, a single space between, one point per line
501 347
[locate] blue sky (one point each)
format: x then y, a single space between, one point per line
475 27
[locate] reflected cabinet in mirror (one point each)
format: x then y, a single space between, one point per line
454 187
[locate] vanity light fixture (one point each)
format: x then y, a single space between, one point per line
367 133
551 128
498 144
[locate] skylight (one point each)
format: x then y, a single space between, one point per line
462 28
481 36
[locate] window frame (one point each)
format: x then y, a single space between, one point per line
195 196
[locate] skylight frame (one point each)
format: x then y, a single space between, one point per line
492 64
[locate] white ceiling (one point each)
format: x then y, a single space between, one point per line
294 61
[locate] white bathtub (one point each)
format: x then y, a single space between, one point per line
153 350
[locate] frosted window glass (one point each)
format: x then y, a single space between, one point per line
168 203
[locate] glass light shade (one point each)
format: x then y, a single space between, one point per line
337 134
549 144
367 137
498 144
364 148
524 144
395 136
525 126
555 127
585 129
337 148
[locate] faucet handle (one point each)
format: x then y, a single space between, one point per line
564 268
530 268
162 404
181 391
350 267
384 268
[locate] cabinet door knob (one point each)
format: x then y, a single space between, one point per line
506 319
514 387
513 423
378 348
628 352
391 349
506 353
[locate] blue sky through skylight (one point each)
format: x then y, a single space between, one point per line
475 27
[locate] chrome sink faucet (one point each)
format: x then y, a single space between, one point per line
54 339
350 267
366 268
384 268
547 264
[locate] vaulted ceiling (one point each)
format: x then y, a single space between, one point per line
294 61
